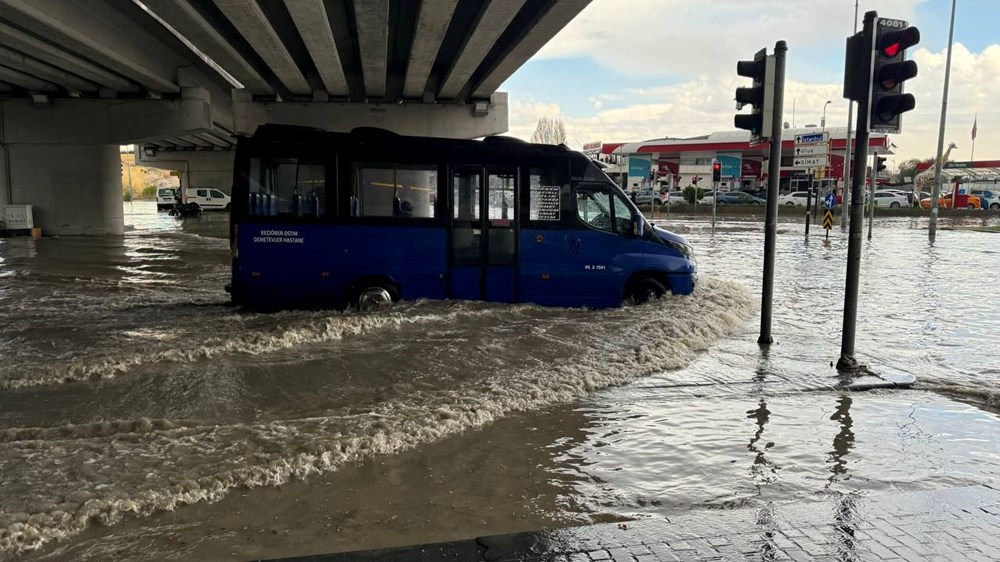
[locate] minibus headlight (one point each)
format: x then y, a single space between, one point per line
682 248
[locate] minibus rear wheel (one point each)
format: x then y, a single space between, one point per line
642 290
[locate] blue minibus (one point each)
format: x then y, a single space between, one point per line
367 218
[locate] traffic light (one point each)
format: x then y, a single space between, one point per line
889 70
760 95
716 171
879 165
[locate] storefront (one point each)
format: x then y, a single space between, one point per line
744 167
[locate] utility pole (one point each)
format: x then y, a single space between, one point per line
936 188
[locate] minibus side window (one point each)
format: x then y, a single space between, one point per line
623 215
284 187
404 192
593 207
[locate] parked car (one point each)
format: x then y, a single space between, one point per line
208 198
908 194
988 198
739 198
944 202
646 195
920 196
795 198
676 198
892 199
165 198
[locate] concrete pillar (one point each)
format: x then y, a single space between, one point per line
75 189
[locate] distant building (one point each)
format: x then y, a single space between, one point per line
688 161
981 173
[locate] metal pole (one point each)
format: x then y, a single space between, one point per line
131 193
847 362
816 194
773 176
809 200
871 198
936 188
715 201
846 199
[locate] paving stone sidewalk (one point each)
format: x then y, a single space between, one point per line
953 524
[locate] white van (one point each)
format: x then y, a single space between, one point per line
208 198
165 198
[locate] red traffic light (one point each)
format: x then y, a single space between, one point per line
717 167
892 43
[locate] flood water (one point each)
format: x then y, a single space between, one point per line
143 418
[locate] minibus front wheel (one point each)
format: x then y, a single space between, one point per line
373 294
643 289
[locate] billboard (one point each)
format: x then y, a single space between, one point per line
639 165
731 165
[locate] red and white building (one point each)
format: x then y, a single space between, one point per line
688 161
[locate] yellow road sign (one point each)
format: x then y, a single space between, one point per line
828 219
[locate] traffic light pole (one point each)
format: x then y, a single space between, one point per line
845 198
847 363
715 202
773 177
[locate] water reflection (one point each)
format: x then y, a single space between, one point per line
846 519
762 471
766 521
845 513
843 442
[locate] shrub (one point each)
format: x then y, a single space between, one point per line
692 194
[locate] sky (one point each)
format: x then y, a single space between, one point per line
630 70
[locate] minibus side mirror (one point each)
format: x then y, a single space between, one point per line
638 224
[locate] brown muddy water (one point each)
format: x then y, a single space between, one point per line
143 419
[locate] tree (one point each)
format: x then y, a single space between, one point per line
908 169
549 130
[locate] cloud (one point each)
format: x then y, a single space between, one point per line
660 38
704 103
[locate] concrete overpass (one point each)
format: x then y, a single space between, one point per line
182 78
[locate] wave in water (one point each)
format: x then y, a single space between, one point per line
253 343
162 465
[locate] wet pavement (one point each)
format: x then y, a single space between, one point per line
953 524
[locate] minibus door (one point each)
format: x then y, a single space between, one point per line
500 227
465 276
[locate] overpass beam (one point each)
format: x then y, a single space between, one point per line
464 121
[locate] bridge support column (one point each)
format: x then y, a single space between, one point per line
75 189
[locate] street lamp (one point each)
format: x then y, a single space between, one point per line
822 122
